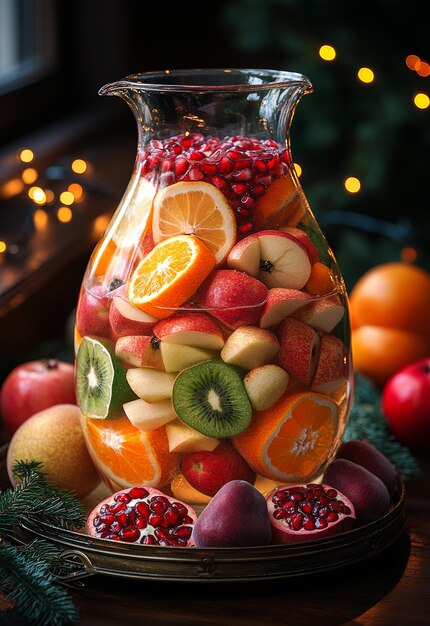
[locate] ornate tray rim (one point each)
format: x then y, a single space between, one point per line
177 564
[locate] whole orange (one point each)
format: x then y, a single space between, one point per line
390 309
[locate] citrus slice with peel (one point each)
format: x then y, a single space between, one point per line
127 456
291 440
195 208
169 274
281 205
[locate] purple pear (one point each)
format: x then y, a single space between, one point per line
366 454
237 515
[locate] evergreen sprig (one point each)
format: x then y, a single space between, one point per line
366 421
28 573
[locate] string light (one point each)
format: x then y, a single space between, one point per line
421 101
26 155
79 166
50 196
3 247
423 69
29 175
327 53
66 197
366 75
12 188
77 190
412 61
40 219
64 214
37 195
298 169
352 184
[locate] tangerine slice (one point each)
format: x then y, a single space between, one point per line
291 440
127 455
169 274
281 205
195 208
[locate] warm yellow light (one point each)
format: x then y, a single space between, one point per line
29 175
37 195
12 188
77 190
100 224
421 101
412 61
327 53
3 247
26 155
79 166
423 69
408 254
66 197
352 184
298 169
366 75
40 219
64 214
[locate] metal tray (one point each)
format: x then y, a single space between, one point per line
92 556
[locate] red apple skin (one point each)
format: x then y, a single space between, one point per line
406 404
92 314
232 297
34 386
209 471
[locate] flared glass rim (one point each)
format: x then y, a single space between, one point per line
210 80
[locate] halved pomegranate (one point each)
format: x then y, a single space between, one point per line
143 515
307 512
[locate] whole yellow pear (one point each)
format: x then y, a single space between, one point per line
54 437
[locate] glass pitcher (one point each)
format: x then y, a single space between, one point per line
212 328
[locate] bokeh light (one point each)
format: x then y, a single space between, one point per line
327 53
352 184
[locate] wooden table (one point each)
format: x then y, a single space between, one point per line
389 589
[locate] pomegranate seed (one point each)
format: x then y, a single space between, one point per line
331 493
138 492
160 533
219 182
245 213
239 188
259 165
102 527
141 522
181 167
116 527
306 508
345 509
297 496
186 142
297 521
320 522
117 508
309 524
153 162
176 148
143 509
164 542
280 514
105 508
121 518
323 511
242 163
129 534
122 497
242 175
273 163
171 516
149 540
196 155
225 166
246 228
183 531
156 520
247 201
180 508
332 517
208 168
264 180
114 537
187 519
285 156
195 173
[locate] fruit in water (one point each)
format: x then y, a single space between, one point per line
366 491
322 314
406 404
276 258
195 208
366 454
126 319
281 204
291 440
265 385
232 297
143 515
332 366
299 349
211 398
281 303
92 313
236 516
249 347
321 281
191 329
101 384
208 471
169 274
140 351
307 512
241 168
33 386
54 437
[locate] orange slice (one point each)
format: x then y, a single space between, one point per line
195 208
169 274
281 205
128 456
292 440
321 280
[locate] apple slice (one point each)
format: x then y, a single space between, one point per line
282 260
149 415
177 357
322 314
191 329
249 347
126 319
265 385
298 233
281 303
299 351
140 351
149 384
183 438
333 365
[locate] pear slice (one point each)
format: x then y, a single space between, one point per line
149 415
149 384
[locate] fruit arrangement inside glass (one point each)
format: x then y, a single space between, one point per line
212 329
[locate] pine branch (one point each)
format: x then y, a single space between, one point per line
26 579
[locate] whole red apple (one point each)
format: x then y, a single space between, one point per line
209 471
406 404
34 386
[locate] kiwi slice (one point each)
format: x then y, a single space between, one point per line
211 398
101 384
